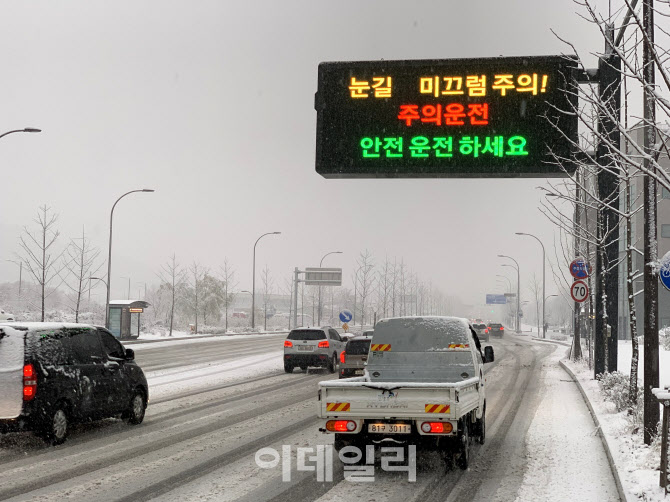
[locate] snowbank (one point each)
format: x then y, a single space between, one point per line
637 464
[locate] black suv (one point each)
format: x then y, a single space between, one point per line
53 374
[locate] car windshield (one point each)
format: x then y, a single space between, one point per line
306 334
494 325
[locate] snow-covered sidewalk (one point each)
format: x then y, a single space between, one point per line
637 464
566 460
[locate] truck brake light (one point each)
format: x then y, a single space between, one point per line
288 343
437 427
342 357
340 425
29 382
324 344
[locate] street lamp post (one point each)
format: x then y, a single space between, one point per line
109 257
544 330
543 279
320 264
518 289
253 282
26 129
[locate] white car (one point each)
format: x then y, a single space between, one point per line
6 316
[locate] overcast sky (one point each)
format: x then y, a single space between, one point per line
211 103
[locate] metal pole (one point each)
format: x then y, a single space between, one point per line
664 449
109 256
320 265
544 291
253 282
295 297
651 377
518 290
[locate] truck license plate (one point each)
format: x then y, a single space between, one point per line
359 372
306 347
389 428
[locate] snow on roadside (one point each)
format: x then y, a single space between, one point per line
566 460
637 463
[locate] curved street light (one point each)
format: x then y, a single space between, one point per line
320 264
518 288
253 282
25 129
109 257
543 281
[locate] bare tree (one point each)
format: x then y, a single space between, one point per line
365 280
227 275
196 273
80 265
173 275
42 260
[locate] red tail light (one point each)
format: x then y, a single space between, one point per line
29 382
324 344
437 427
340 425
342 357
501 328
287 343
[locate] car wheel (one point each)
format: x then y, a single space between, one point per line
57 426
136 409
288 368
464 450
304 368
332 363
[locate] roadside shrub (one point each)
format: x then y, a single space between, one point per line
615 388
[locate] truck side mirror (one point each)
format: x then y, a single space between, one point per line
488 354
130 354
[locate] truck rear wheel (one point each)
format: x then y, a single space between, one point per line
480 428
464 448
288 368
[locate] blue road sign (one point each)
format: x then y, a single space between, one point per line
664 275
346 316
496 300
580 269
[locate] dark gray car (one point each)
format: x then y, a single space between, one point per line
354 357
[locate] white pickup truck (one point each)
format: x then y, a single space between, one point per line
424 384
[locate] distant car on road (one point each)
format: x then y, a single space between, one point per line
54 374
354 356
305 347
496 329
482 331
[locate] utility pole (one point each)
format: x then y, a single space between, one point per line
607 273
651 377
577 344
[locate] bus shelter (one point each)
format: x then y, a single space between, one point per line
124 318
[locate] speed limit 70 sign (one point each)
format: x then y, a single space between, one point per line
579 291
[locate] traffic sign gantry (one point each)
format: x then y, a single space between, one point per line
579 291
580 268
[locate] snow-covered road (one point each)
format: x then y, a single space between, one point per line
214 404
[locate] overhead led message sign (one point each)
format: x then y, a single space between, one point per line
495 117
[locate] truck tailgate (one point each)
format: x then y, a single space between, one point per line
402 400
